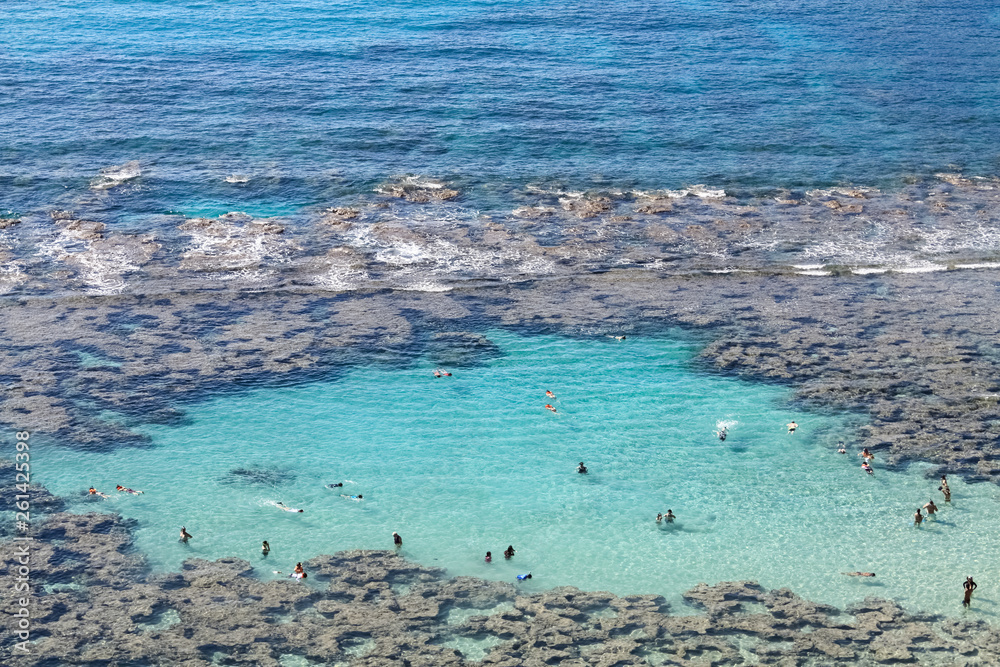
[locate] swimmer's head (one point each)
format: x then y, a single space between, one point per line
360 496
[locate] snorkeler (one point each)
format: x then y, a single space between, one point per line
548 406
185 536
670 516
509 552
95 492
397 540
582 469
792 426
522 577
282 506
440 373
867 468
930 507
842 449
549 394
918 518
265 548
859 574
122 489
357 497
335 486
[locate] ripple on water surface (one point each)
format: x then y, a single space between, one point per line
470 463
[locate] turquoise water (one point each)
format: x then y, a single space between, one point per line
465 464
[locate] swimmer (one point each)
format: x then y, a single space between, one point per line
659 518
944 489
842 450
522 577
618 338
918 518
859 574
867 468
489 556
866 455
265 548
283 506
722 433
185 536
550 394
437 373
95 492
792 426
357 497
335 486
548 406
969 586
509 552
298 573
582 469
440 373
930 507
397 540
122 489
669 516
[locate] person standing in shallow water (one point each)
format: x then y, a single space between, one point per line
969 586
670 516
185 536
397 540
917 518
930 507
944 489
582 469
265 548
509 552
489 556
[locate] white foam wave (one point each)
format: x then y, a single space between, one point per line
814 273
116 175
237 178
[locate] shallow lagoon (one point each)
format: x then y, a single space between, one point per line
464 464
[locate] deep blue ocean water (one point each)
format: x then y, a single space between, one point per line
322 100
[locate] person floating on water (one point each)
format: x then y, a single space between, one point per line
440 373
122 489
944 489
357 497
930 507
298 572
185 536
842 449
335 486
283 506
669 516
522 577
918 518
859 574
509 552
549 394
265 548
969 586
582 469
792 426
489 556
95 492
397 540
618 338
867 468
548 406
